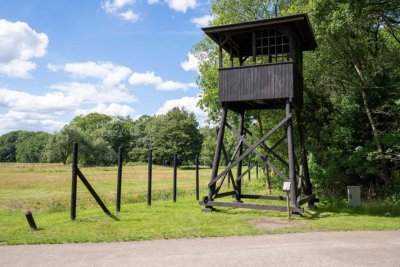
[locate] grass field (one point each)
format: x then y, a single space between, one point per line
45 190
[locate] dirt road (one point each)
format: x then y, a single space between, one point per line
302 249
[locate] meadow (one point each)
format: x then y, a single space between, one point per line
45 190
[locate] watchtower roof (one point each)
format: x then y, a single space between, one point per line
239 34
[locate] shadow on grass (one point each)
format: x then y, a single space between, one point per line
114 217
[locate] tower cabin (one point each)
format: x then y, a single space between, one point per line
265 62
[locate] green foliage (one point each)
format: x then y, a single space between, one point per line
175 132
30 145
8 146
208 147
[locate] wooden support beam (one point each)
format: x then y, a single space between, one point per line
264 197
263 157
225 194
94 194
305 200
217 155
249 150
292 176
251 206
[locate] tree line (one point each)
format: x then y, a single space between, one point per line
100 136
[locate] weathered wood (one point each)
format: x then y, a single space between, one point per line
175 178
119 180
239 163
74 180
273 82
224 194
31 221
149 175
263 157
250 206
292 176
93 192
197 177
264 197
303 156
305 200
217 155
249 150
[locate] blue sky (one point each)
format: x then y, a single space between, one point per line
60 59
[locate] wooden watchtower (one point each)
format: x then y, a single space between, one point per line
272 78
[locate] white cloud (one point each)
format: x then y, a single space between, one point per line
113 110
94 93
172 86
189 103
51 103
129 16
28 121
191 64
52 67
110 74
181 5
19 43
32 112
203 21
112 6
119 8
147 78
152 2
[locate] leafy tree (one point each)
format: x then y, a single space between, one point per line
174 132
30 145
208 148
59 146
90 122
8 146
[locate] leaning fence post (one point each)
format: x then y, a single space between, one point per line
197 177
119 182
174 189
150 162
30 220
74 180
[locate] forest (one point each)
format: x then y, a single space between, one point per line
351 108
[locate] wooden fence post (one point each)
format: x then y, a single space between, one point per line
119 182
174 182
197 178
150 163
74 180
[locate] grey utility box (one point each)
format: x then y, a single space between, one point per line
354 196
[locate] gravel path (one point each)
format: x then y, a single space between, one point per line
300 249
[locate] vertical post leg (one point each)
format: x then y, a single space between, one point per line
197 178
303 155
292 177
238 191
150 170
74 180
174 183
119 182
217 155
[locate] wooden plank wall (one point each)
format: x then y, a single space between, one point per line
271 81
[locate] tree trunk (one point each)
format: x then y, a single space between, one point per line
371 120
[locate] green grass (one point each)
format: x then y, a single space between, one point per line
45 190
